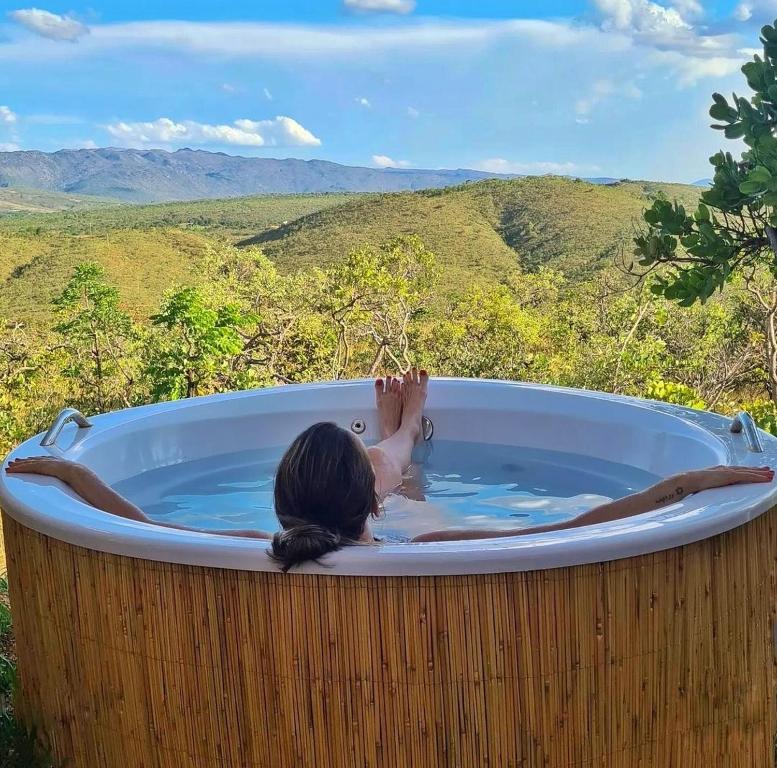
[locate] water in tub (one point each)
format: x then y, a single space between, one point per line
465 485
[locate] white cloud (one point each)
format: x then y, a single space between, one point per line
690 69
9 146
599 92
49 25
363 102
767 9
228 88
664 28
500 165
7 115
622 30
380 6
743 11
384 161
280 131
640 16
688 8
298 41
267 94
413 112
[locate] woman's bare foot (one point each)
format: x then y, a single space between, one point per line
388 399
415 384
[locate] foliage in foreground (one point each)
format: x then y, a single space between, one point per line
732 234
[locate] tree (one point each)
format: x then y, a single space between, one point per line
196 344
371 298
289 340
30 391
96 338
489 331
733 232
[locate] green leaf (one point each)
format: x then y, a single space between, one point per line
750 187
735 131
657 289
760 174
768 32
753 71
721 112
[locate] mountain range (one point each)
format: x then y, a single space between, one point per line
155 175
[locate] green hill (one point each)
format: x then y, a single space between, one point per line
480 230
145 249
483 228
143 264
232 217
31 201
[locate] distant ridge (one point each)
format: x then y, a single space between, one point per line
155 175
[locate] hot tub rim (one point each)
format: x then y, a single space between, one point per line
689 521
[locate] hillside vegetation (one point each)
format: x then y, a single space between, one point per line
485 228
40 201
143 263
234 218
145 250
481 230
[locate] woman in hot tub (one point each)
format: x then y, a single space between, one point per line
328 484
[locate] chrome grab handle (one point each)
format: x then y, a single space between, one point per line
743 422
65 417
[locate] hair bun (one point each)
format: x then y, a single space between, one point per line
299 543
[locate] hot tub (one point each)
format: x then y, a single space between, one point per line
645 641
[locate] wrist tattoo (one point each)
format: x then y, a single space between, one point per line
677 493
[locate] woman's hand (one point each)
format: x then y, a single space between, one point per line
718 477
51 466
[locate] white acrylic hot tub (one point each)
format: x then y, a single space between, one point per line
658 438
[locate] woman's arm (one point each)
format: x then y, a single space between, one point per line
100 495
661 494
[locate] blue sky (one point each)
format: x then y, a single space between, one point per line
604 87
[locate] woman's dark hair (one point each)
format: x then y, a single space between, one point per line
324 493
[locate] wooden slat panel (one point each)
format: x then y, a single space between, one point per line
661 660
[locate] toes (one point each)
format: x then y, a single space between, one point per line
379 390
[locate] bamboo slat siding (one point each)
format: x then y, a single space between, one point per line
662 661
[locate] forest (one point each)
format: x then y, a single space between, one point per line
242 322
